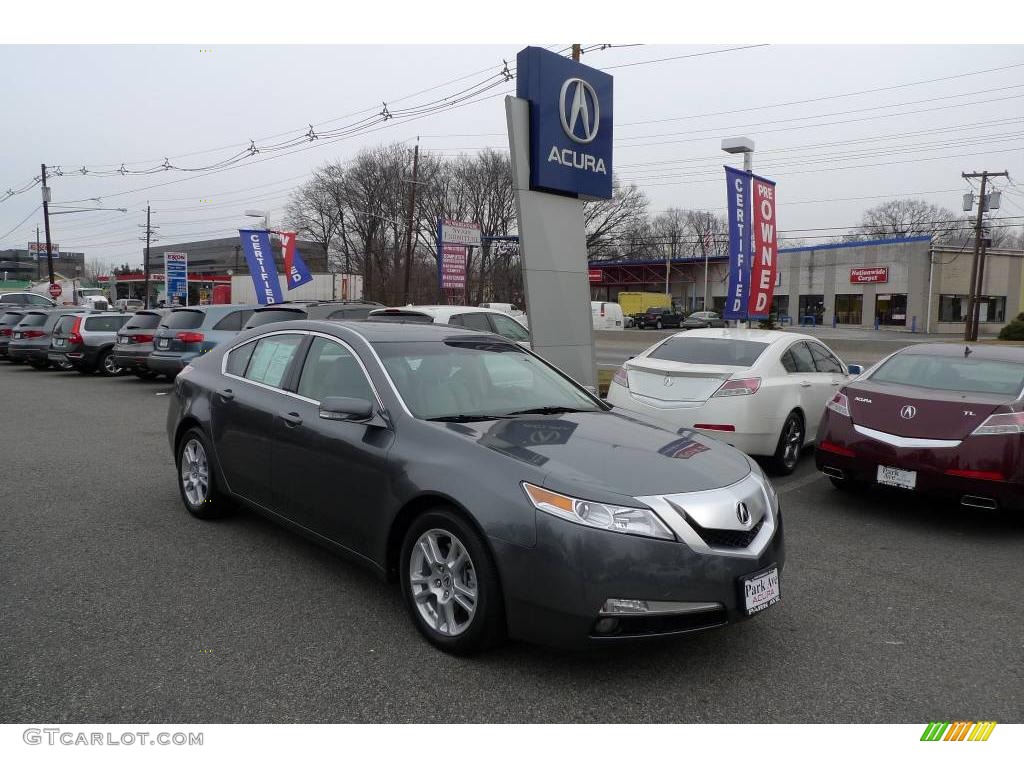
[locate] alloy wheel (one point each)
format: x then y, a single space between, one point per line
195 473
443 582
109 366
794 441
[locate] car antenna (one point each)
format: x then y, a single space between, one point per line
967 350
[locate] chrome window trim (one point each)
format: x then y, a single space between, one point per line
899 441
296 395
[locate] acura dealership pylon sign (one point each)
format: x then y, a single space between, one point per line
570 124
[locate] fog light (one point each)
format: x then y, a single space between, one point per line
606 626
616 605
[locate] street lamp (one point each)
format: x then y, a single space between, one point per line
265 215
738 144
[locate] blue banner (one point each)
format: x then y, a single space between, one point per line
738 206
299 273
260 257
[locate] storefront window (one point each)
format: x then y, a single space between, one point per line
849 308
811 305
780 305
891 308
953 308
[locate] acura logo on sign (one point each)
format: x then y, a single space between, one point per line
742 513
908 411
578 122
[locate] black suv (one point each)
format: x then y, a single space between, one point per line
311 310
659 317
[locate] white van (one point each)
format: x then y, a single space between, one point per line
508 309
607 316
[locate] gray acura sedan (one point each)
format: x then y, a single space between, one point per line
503 497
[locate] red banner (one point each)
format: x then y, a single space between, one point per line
596 275
869 275
288 250
764 262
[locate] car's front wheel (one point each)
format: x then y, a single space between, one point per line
790 445
658 325
196 479
450 584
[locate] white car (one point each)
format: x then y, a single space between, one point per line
476 318
763 392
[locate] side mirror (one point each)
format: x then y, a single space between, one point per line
345 409
855 370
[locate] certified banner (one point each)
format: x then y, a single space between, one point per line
260 257
738 206
765 258
294 267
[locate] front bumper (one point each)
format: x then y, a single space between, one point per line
555 591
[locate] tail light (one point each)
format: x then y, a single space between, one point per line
33 334
189 337
976 474
602 310
733 387
825 445
5 331
1001 424
839 403
620 377
75 337
142 338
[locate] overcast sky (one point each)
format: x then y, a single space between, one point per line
100 106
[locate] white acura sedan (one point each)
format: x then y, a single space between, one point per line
763 392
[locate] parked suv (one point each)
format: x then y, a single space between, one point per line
135 342
87 341
31 343
9 317
25 334
187 332
311 310
659 317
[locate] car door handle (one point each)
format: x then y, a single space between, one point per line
226 394
836 383
805 383
292 419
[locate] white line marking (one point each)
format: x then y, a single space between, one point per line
795 484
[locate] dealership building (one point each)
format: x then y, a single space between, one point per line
906 283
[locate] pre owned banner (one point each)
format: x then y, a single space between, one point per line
260 257
295 268
738 206
764 260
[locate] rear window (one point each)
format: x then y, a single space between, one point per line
400 317
11 318
33 319
953 374
108 323
65 324
275 316
352 313
704 351
233 321
143 320
183 319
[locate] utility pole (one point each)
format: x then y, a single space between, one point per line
668 266
46 224
978 262
145 263
38 267
576 51
412 215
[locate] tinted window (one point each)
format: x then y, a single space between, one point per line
353 313
238 359
143 320
332 371
271 358
274 316
477 321
824 361
39 301
509 328
656 311
400 317
11 318
32 320
233 321
65 324
183 319
800 360
954 374
705 351
109 323
12 298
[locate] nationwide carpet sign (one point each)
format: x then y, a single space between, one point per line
260 257
570 124
753 245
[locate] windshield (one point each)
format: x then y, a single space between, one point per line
705 351
953 374
452 379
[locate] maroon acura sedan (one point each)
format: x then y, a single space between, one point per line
942 419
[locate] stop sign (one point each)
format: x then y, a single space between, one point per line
55 290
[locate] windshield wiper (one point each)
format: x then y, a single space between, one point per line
463 418
550 409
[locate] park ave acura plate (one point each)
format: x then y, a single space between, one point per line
761 590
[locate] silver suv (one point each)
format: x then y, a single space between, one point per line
87 341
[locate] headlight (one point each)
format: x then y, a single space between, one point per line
608 517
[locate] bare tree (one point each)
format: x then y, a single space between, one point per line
908 218
609 221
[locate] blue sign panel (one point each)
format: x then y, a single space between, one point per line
260 257
570 124
176 277
738 207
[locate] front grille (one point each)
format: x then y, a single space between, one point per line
724 538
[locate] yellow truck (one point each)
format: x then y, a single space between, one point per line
636 302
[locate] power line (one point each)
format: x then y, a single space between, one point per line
16 226
687 56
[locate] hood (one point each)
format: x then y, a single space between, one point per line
608 453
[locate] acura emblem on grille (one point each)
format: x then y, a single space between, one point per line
668 381
742 513
908 411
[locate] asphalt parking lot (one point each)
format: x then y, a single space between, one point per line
118 606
